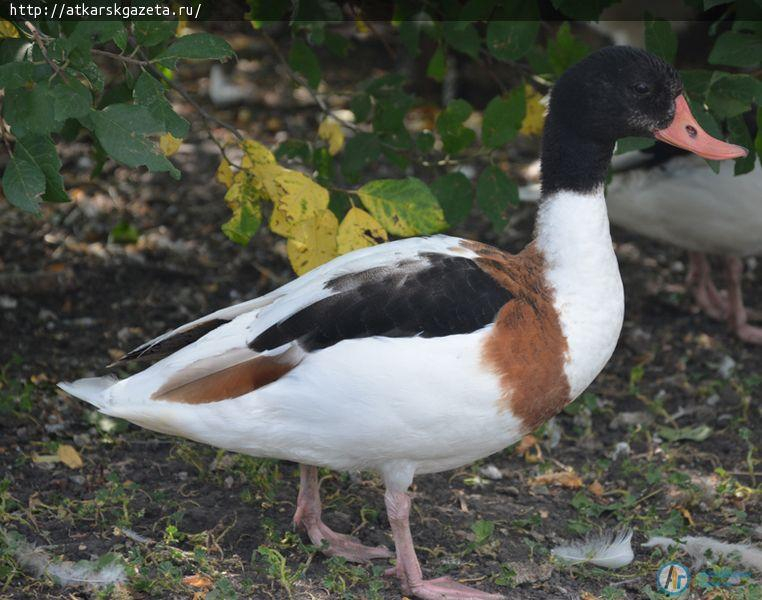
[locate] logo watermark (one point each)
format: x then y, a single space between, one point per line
672 579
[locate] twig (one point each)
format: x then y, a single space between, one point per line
41 45
296 78
122 57
369 24
188 98
4 135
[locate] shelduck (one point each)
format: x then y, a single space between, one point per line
676 198
424 354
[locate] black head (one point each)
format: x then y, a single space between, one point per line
616 92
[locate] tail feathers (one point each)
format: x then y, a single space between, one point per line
92 389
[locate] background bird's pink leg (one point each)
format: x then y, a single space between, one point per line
706 294
738 317
409 569
308 515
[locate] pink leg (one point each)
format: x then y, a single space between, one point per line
738 318
409 570
709 299
308 515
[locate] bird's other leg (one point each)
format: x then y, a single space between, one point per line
707 296
308 515
738 317
408 568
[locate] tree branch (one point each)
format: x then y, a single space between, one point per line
299 80
43 49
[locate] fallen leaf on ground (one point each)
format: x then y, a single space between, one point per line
567 479
69 456
595 488
198 581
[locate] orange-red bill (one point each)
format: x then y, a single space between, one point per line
685 132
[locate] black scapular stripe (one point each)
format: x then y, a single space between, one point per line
173 343
435 296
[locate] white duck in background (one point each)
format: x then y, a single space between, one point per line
676 198
424 354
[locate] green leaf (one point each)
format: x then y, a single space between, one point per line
629 144
122 130
477 10
410 33
585 11
565 50
390 111
23 184
152 33
264 11
360 105
733 95
150 92
404 207
462 36
40 151
244 223
696 83
124 233
660 39
455 196
90 31
738 133
437 64
302 59
455 136
736 50
503 118
71 100
197 46
337 44
693 434
510 40
360 151
16 75
28 110
495 193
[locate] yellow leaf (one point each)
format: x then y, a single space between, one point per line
567 479
313 242
7 29
224 173
255 154
169 144
361 26
69 456
359 230
295 198
330 131
534 120
244 200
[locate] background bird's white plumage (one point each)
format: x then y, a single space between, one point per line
686 204
608 550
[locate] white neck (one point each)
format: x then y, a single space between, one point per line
572 232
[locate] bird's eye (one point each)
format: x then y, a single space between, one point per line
641 88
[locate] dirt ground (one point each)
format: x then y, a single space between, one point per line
71 301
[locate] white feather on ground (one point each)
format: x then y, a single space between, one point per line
607 550
698 547
108 570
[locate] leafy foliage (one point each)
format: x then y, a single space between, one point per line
318 193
